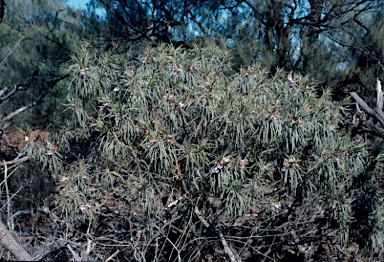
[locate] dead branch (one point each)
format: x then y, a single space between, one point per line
15 161
112 256
84 253
8 242
6 93
15 47
76 257
376 113
39 100
227 250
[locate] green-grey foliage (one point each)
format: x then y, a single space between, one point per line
182 132
37 39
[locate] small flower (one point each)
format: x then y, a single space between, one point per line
170 136
26 139
181 104
332 128
116 89
144 60
215 171
83 72
275 116
277 205
290 79
300 121
242 163
82 208
176 70
285 167
168 97
266 116
88 206
49 152
219 166
62 179
152 140
226 160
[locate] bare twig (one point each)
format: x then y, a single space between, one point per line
6 93
15 47
21 110
84 253
15 161
227 250
379 97
38 101
8 241
112 256
76 257
377 113
9 220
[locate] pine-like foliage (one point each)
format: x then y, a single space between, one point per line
185 156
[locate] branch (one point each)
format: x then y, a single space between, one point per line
15 47
76 257
377 113
362 103
227 250
14 161
84 253
379 101
5 93
22 109
8 242
38 101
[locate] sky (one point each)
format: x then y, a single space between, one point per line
78 3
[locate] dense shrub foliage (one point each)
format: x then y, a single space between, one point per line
183 156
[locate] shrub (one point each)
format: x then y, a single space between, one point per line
184 155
